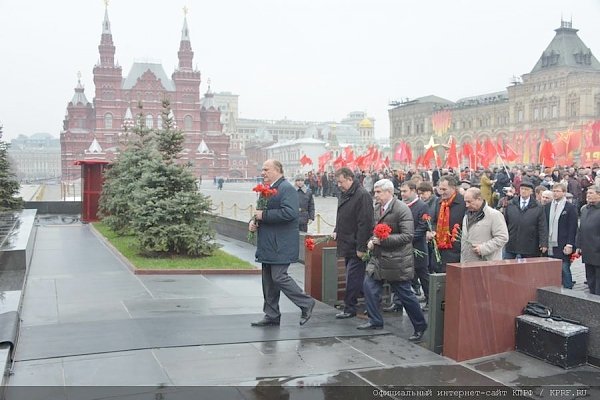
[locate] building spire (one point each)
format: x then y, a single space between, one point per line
185 52
185 33
106 47
106 22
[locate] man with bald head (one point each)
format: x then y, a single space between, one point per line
277 246
484 231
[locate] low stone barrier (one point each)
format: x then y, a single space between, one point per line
577 306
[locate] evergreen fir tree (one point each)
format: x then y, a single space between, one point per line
9 186
121 178
170 216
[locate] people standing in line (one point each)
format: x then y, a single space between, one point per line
483 232
588 238
392 261
527 225
418 208
306 204
277 246
353 228
562 230
449 211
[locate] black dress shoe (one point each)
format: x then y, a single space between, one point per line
265 322
306 314
344 315
368 325
417 337
394 308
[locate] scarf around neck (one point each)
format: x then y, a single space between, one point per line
555 210
443 236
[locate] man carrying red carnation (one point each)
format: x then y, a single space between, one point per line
391 260
449 210
277 245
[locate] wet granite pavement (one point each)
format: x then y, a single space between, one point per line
76 282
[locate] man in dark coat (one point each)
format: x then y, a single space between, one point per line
588 238
325 184
418 208
527 225
562 229
450 210
306 204
277 246
392 260
353 228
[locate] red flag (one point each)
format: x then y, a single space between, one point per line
438 159
547 154
452 156
500 147
427 157
574 141
323 159
418 162
361 162
349 154
400 153
509 154
386 162
469 153
408 157
481 154
339 162
305 160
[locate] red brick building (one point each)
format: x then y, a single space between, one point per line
91 129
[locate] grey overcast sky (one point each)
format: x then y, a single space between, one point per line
305 60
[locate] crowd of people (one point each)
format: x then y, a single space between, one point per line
432 217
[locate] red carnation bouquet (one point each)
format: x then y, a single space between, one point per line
264 192
436 250
382 232
310 242
457 236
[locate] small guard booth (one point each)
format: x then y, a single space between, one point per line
92 178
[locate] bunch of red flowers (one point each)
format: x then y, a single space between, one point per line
574 256
382 231
264 192
456 233
311 242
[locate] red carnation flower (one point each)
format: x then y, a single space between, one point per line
382 231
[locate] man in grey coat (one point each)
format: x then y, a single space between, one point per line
277 246
484 232
392 260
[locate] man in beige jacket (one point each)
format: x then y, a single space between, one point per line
484 232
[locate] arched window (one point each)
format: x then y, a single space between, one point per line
149 121
159 122
108 120
187 122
